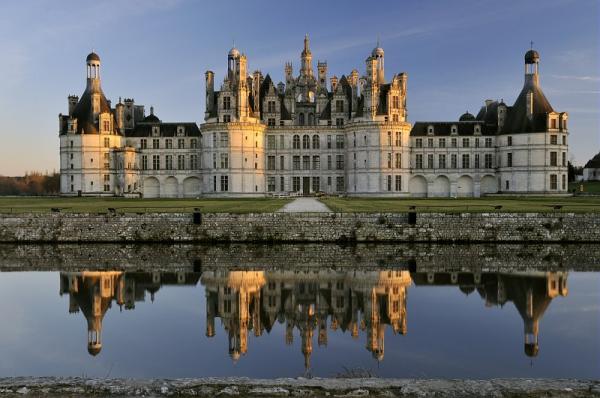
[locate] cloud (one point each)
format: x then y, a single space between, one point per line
573 77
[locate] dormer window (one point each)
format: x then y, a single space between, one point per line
180 131
477 129
429 129
453 129
155 131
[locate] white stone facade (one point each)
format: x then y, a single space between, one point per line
339 136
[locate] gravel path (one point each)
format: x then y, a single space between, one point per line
302 205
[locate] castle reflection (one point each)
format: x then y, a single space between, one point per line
309 301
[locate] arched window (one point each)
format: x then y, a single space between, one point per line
296 142
311 119
453 129
429 129
316 143
305 142
301 119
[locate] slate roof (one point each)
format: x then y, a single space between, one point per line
419 129
593 163
143 129
83 111
517 120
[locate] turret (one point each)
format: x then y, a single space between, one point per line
73 100
289 71
322 67
120 115
378 55
210 92
306 57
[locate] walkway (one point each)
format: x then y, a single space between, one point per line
302 205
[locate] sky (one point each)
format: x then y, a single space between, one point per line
456 55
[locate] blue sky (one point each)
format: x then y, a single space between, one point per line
456 54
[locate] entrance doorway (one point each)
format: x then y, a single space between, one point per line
305 186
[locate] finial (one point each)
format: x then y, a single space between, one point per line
377 40
531 43
152 110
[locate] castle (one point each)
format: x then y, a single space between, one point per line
347 135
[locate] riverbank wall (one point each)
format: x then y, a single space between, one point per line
299 227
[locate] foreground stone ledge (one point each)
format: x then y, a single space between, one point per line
299 227
315 387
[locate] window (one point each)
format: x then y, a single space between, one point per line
271 184
564 159
316 184
395 102
224 140
509 159
476 142
339 122
106 187
180 131
316 163
389 160
270 162
465 161
389 183
155 143
339 184
553 159
271 106
453 143
305 142
339 141
106 125
193 143
181 143
564 182
281 162
339 106
398 138
328 142
281 183
442 143
389 138
296 162
453 161
488 142
281 142
553 123
106 142
339 162
226 102
180 162
271 144
509 140
214 160
271 122
465 143
398 183
226 118
155 162
193 162
215 183
507 185
328 162
296 142
295 184
169 143
169 162
564 140
430 161
144 162
553 182
476 161
398 164
453 130
553 139
488 161
224 183
442 161
106 178
430 142
305 162
419 161
315 142
224 158
419 143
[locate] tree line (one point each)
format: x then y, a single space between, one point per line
31 184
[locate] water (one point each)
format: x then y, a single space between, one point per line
415 315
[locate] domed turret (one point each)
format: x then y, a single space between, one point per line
94 349
377 52
234 52
466 117
92 57
532 57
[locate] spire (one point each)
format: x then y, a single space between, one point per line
306 57
306 45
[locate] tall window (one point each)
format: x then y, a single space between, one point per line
553 159
270 162
305 162
564 159
193 143
389 183
316 144
398 164
553 181
509 141
328 142
453 161
509 159
155 143
271 122
301 119
143 143
181 143
430 161
106 142
224 183
193 162
224 140
227 103
271 184
169 143
564 182
296 142
339 106
296 162
488 142
430 142
465 161
488 161
442 143
281 142
316 163
398 138
144 162
419 143
389 160
282 163
271 106
339 184
224 157
389 138
305 142
442 161
295 184
328 162
476 161
453 143
395 102
339 162
465 143
339 141
316 184
155 162
180 162
398 183
169 162
419 161
271 143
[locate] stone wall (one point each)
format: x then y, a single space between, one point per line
300 227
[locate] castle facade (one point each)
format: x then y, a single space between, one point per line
312 134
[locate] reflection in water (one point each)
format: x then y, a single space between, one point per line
309 301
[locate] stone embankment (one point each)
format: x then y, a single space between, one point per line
300 227
301 387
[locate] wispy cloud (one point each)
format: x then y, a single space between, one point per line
574 77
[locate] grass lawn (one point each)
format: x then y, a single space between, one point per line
588 186
95 205
446 205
